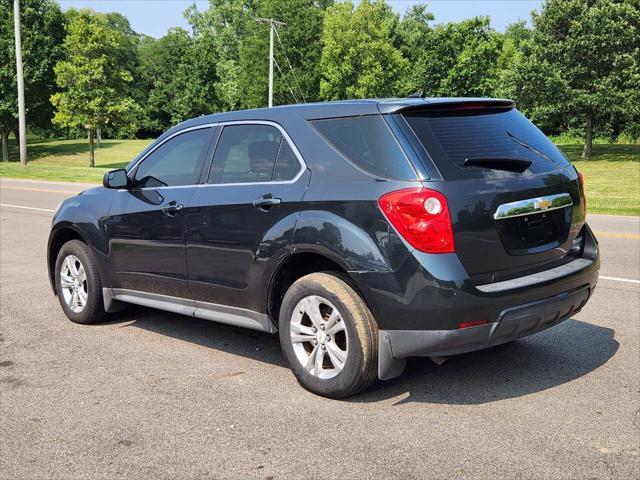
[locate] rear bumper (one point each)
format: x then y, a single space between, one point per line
513 323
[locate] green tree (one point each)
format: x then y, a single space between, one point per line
415 32
297 50
462 59
583 60
42 28
159 61
361 55
94 85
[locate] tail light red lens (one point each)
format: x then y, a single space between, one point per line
584 197
422 217
473 323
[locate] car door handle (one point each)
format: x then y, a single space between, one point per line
171 209
266 201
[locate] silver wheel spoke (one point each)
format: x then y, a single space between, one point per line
82 297
333 318
82 275
337 327
337 356
312 309
302 338
311 360
301 329
319 360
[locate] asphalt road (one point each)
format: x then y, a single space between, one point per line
157 395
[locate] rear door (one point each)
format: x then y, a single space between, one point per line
146 222
514 198
244 214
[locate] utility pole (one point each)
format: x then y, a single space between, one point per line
22 129
272 26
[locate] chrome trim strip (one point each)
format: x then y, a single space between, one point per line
240 317
533 205
294 149
536 278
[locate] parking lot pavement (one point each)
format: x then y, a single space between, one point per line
156 395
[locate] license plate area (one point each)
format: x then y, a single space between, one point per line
535 232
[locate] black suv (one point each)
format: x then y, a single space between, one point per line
365 232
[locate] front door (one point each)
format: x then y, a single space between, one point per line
256 180
146 223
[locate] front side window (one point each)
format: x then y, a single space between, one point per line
176 162
369 143
252 154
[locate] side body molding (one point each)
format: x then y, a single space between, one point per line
239 317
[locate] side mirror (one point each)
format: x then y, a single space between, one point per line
116 179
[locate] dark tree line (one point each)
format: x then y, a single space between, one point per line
577 68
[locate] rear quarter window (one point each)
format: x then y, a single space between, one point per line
451 137
368 143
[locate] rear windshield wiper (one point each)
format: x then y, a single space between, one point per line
499 163
530 147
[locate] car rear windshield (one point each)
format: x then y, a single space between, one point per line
451 137
367 142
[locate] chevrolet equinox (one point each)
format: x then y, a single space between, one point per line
364 232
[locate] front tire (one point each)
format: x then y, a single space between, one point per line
78 284
328 336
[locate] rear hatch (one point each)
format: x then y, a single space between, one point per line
515 200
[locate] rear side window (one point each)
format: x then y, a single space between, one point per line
253 154
452 137
367 142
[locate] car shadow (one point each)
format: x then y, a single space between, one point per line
252 344
533 364
548 359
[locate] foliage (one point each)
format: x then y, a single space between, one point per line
42 32
360 56
301 46
461 59
583 61
159 61
92 77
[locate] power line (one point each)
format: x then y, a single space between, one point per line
286 82
295 77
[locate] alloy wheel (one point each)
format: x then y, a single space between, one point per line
319 337
73 283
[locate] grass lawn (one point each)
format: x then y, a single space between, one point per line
66 160
612 175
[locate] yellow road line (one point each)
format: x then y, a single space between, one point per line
631 236
47 190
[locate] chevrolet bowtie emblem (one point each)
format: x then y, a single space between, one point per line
542 204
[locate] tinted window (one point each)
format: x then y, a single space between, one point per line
451 138
367 142
247 154
287 165
176 162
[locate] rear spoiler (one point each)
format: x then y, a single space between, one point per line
462 105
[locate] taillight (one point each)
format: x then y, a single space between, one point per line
584 197
422 217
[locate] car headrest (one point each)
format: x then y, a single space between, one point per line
262 155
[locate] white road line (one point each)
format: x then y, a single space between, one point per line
27 208
617 279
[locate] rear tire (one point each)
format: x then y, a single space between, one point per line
328 336
78 284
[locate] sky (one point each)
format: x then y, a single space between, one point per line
155 17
